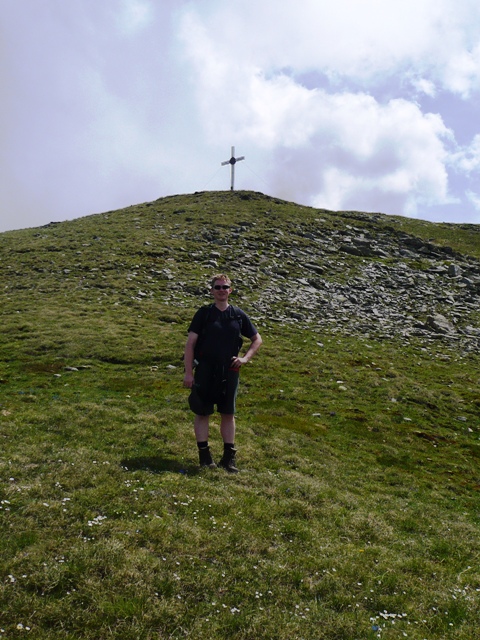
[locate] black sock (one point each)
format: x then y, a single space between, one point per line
228 445
202 445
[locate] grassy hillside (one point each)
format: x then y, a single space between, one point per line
356 512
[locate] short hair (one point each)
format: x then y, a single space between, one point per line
220 276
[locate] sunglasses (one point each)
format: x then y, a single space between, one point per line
218 287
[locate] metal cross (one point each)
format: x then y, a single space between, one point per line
232 162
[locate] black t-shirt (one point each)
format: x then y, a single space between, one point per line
219 332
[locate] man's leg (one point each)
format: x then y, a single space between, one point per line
227 422
227 427
201 427
201 434
227 431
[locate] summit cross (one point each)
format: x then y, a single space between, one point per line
232 162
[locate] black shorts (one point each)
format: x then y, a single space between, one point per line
214 385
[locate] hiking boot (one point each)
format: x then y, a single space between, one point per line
228 461
206 459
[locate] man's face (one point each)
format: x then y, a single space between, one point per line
221 290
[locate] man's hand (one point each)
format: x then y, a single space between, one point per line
188 380
252 350
237 362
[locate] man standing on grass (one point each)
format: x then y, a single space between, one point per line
213 346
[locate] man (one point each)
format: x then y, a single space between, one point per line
212 348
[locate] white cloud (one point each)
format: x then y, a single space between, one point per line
322 34
467 160
327 146
474 198
364 41
462 73
427 87
134 16
379 157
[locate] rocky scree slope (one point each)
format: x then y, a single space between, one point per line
359 277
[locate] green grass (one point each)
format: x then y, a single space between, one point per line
356 512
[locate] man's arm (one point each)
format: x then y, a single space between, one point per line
188 358
255 344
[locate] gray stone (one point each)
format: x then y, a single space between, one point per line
454 271
440 324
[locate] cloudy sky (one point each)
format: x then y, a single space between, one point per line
354 104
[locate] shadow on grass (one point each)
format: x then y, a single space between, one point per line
157 464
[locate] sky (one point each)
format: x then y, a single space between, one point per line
367 105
